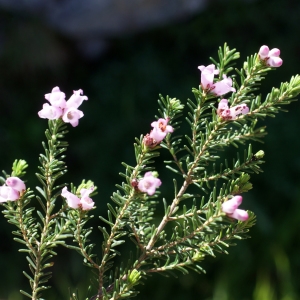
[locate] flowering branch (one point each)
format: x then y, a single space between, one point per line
205 214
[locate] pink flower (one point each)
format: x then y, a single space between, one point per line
207 76
50 112
84 203
271 57
149 183
61 108
8 193
239 214
223 87
274 60
76 99
11 191
226 113
149 141
223 104
230 208
231 205
207 81
72 116
16 183
241 109
56 98
160 129
263 51
72 200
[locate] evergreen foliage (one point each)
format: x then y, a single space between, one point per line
194 224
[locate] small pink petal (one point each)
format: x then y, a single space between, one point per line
223 87
72 200
223 105
16 183
239 214
157 135
72 116
86 192
231 205
8 193
86 203
76 99
274 52
149 183
160 129
263 52
237 110
207 75
274 62
50 112
56 98
232 113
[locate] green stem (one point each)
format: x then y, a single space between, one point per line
42 246
188 180
81 245
117 225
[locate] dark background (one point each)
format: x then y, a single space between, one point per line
122 72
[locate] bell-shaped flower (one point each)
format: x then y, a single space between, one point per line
61 108
86 202
76 99
148 184
263 51
157 135
72 115
72 200
223 108
223 104
231 205
230 208
160 129
271 57
16 183
7 193
207 81
56 98
239 214
274 60
207 76
226 113
223 87
50 112
241 109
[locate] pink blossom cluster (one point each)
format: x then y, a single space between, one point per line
158 133
60 108
84 203
226 113
12 190
230 207
271 57
207 81
149 183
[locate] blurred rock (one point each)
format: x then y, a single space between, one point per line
105 17
92 21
